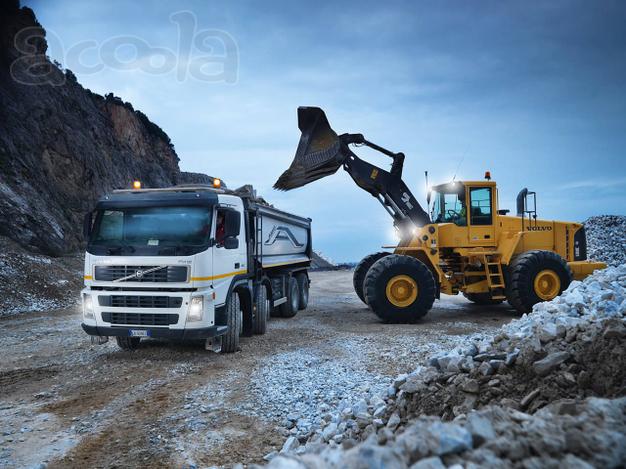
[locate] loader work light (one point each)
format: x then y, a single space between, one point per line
137 185
195 309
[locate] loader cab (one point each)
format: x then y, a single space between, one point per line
470 208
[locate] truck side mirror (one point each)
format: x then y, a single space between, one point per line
232 224
87 224
231 242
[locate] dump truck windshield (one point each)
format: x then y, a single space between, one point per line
152 226
449 205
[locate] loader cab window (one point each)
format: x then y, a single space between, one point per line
480 206
449 205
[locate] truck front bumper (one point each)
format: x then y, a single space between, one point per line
160 333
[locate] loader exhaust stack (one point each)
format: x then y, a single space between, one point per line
318 154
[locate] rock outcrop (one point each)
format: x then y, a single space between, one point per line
62 146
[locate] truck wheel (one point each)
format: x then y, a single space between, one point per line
400 288
303 289
262 312
234 321
290 307
536 276
360 271
482 299
128 343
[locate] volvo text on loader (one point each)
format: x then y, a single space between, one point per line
465 245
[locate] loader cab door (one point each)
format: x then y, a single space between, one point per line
480 215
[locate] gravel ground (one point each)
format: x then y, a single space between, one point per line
66 403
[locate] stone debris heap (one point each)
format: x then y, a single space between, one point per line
545 391
606 239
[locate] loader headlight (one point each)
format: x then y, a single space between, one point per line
196 308
88 306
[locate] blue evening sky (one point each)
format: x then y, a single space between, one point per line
535 92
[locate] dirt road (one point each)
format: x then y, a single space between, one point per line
66 403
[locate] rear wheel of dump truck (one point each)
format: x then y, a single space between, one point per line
234 321
128 343
262 310
290 307
536 276
360 272
482 299
400 288
303 290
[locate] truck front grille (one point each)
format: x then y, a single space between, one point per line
140 273
140 319
137 301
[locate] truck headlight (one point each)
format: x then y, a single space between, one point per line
88 306
196 308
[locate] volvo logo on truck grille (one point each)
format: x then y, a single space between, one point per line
141 273
280 232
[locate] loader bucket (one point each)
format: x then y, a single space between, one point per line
318 154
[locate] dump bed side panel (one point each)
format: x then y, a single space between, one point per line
283 238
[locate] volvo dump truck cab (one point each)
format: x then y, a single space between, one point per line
191 262
463 244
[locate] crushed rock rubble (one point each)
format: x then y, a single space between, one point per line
606 239
545 391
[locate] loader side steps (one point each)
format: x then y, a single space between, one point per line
494 274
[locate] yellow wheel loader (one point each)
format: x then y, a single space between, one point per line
465 245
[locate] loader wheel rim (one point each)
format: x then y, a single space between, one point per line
401 291
547 284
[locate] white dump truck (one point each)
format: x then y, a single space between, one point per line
193 262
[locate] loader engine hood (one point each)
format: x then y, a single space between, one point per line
318 154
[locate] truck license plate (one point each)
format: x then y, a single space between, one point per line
139 333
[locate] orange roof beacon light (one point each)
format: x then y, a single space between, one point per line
488 175
136 185
217 183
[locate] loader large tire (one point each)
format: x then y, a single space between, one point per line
400 289
262 311
482 299
234 321
536 276
360 271
290 308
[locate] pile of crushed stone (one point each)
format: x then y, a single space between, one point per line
527 388
35 282
568 434
606 239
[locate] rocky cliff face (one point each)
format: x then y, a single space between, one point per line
62 146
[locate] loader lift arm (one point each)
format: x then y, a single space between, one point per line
386 186
321 152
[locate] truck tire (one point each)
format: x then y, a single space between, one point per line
481 299
262 310
303 290
234 321
536 276
128 343
290 307
360 271
400 289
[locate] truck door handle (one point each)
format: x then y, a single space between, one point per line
237 264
